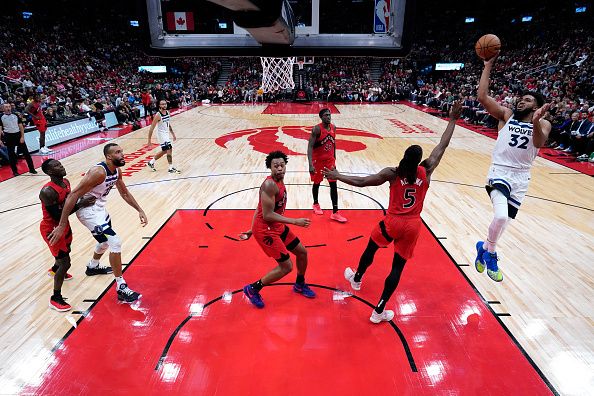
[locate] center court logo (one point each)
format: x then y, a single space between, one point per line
266 139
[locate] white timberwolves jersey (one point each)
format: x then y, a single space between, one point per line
101 191
163 128
514 147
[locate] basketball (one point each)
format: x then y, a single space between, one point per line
487 46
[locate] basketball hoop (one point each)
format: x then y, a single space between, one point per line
277 73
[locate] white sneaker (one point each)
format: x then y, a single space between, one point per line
385 316
45 150
349 275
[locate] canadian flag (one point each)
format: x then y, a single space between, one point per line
180 21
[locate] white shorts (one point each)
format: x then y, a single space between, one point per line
512 182
97 220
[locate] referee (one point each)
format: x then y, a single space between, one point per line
12 134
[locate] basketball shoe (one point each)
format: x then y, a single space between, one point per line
317 210
254 297
302 288
51 274
385 316
479 263
126 294
151 164
490 260
349 275
59 304
99 270
338 217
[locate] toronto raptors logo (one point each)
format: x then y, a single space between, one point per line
267 139
267 240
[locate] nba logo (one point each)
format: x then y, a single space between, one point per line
381 17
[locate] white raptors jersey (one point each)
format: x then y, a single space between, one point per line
163 128
101 191
514 147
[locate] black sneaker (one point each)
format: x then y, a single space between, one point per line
126 294
98 271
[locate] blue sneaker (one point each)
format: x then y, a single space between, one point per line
302 288
254 297
479 263
492 269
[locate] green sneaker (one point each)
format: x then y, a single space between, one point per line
497 276
493 271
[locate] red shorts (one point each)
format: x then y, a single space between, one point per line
319 165
41 124
63 244
404 231
276 242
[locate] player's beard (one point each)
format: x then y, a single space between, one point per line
521 113
119 162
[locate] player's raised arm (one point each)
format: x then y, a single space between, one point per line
495 109
435 157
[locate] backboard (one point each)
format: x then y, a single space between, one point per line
278 28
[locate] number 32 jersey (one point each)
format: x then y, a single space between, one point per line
514 147
407 199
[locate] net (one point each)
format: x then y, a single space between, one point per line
277 73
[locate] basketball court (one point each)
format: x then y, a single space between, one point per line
455 331
193 332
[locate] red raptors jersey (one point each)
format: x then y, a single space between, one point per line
62 194
407 199
280 202
324 146
36 109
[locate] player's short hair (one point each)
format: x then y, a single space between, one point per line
540 100
325 109
107 147
275 155
46 164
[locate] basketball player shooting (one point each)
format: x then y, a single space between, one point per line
522 132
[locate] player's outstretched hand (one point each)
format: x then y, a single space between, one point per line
244 236
456 110
539 113
301 222
491 60
331 174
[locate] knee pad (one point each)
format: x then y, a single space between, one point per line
115 243
101 247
